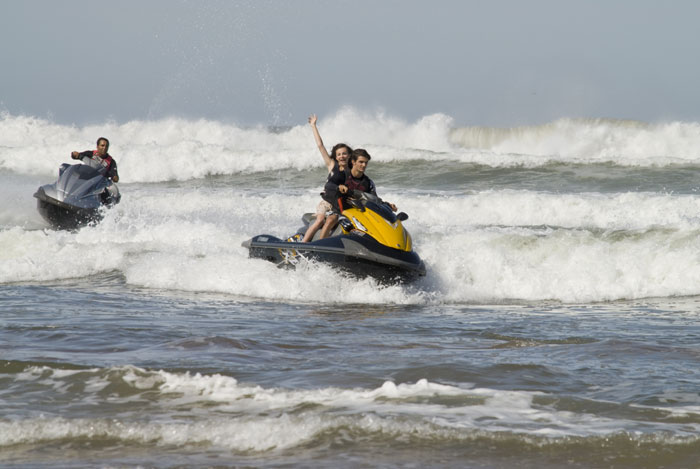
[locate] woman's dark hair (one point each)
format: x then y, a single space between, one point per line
337 147
100 139
358 153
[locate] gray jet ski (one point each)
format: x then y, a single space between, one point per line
77 197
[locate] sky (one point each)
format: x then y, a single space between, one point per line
499 63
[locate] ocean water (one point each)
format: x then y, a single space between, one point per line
558 324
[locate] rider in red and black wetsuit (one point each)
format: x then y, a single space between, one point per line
99 159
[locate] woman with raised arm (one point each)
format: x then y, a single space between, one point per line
337 163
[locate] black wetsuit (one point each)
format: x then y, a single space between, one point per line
335 175
107 166
364 184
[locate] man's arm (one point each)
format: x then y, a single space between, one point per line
373 190
78 156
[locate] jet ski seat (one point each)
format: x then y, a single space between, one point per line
309 218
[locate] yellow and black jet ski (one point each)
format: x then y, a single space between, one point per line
369 240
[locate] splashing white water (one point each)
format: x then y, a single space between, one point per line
178 149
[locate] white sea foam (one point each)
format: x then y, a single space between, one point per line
488 246
478 246
178 149
589 141
570 266
516 208
243 417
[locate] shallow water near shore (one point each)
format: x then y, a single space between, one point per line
120 376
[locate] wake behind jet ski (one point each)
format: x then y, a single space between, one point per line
369 240
81 190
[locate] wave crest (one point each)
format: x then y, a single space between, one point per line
585 141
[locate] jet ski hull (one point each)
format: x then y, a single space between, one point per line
360 255
64 216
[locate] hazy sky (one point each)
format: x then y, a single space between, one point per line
490 62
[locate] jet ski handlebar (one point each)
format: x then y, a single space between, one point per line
360 199
364 196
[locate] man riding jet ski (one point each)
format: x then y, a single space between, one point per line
81 190
369 240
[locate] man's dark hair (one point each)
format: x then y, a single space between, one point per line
102 138
360 152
